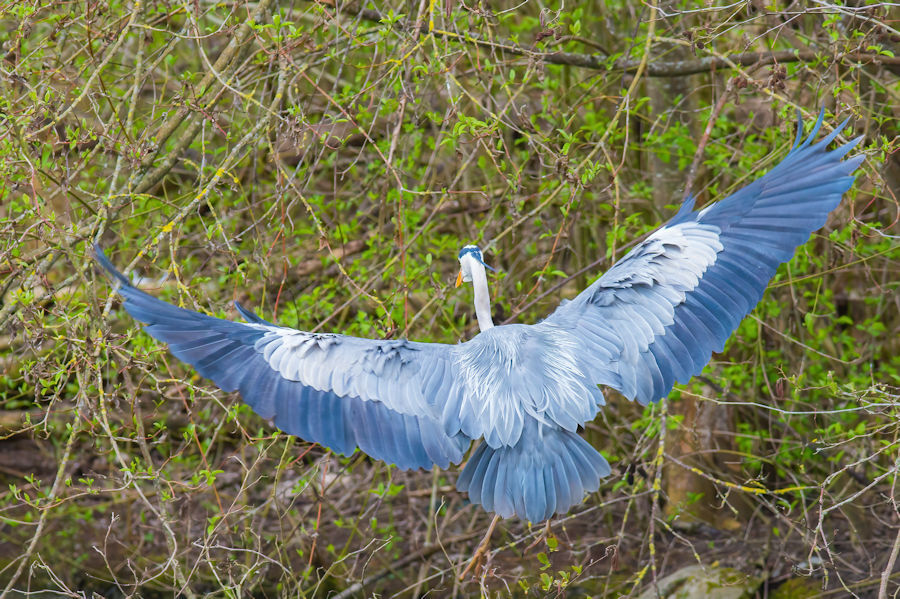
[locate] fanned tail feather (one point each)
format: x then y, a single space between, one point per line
548 471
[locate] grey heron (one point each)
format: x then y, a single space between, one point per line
652 319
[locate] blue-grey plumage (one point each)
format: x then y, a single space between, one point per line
654 318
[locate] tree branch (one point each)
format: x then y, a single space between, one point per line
680 68
675 68
211 86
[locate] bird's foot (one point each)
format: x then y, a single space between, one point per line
475 563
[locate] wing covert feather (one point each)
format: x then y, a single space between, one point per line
342 392
677 297
654 318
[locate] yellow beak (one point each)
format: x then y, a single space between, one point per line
459 279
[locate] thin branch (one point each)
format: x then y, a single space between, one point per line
85 90
25 558
675 68
678 68
228 62
354 589
698 155
886 575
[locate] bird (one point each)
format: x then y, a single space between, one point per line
523 391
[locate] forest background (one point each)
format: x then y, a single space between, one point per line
323 163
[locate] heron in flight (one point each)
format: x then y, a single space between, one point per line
522 390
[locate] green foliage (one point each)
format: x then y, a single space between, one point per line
325 175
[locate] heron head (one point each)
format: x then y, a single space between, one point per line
469 257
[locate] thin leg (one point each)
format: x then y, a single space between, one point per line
475 562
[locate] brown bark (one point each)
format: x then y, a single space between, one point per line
685 65
703 427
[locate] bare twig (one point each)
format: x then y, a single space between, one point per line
354 589
675 68
889 567
145 179
704 139
64 462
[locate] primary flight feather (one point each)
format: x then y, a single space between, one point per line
654 318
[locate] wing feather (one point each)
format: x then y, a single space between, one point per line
654 318
341 392
678 296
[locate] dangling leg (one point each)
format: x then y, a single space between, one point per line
475 562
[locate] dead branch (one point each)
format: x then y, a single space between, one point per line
675 68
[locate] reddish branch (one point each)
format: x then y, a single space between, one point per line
698 155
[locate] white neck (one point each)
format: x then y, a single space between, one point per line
482 298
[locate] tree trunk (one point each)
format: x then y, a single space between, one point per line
704 428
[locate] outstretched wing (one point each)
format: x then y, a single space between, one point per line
679 295
341 392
